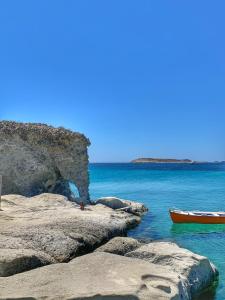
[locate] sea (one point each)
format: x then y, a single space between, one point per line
164 186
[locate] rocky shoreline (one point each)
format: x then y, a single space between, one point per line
51 249
49 228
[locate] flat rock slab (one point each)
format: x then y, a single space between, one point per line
196 270
48 229
96 276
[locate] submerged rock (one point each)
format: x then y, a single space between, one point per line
133 207
48 228
36 158
196 271
120 245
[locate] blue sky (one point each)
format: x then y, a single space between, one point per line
139 78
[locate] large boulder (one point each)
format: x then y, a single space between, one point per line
119 245
133 207
36 158
196 271
48 228
96 276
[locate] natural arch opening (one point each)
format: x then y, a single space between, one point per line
74 190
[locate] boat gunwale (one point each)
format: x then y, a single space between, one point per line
198 213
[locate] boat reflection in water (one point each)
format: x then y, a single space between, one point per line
193 228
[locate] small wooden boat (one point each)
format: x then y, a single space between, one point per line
203 217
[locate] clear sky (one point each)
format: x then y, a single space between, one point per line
139 78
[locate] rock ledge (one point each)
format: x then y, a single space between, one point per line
48 229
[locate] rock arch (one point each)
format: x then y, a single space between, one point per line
37 158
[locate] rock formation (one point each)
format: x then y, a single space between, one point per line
95 276
40 229
120 245
132 207
36 158
195 271
103 275
48 228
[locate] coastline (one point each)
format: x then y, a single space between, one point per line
44 234
65 237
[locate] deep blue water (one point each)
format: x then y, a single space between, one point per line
164 186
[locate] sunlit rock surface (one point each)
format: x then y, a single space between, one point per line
120 245
49 228
133 207
36 158
196 271
98 276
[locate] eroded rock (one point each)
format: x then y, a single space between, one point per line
196 271
101 275
48 228
96 276
133 207
36 158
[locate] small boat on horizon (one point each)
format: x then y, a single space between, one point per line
203 217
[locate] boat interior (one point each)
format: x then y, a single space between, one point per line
200 213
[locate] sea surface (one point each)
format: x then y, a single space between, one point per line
164 186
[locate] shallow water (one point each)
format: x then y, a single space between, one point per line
164 186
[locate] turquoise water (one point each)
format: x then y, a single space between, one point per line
164 186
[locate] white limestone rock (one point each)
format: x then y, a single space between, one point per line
48 228
133 207
36 158
96 276
196 271
119 245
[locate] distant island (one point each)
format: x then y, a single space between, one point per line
174 161
162 160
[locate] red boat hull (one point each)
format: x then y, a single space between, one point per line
188 218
